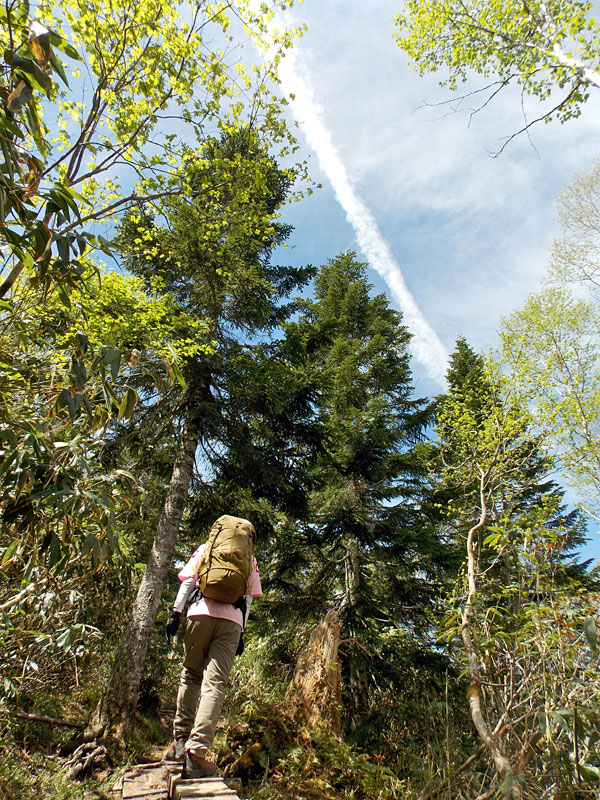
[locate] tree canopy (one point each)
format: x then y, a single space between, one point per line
551 50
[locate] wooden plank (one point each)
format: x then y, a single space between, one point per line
174 779
161 781
210 784
204 789
196 790
138 769
200 788
145 781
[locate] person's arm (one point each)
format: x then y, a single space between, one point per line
185 589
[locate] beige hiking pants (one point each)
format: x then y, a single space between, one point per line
209 648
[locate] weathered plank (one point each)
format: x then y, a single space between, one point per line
196 790
174 779
198 787
164 782
145 782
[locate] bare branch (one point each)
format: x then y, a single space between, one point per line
41 718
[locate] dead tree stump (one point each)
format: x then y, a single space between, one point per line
316 688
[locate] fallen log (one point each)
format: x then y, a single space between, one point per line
41 718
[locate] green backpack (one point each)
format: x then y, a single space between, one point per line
225 566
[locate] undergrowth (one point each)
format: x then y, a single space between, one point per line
261 743
260 747
25 775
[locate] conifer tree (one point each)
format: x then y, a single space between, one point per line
367 549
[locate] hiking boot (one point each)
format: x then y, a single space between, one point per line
197 767
177 750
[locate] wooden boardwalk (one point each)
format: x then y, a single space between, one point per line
162 781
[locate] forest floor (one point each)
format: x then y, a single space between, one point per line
260 750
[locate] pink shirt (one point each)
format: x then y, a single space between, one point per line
211 608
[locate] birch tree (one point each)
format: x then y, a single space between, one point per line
576 252
551 50
552 346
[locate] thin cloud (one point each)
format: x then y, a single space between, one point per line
426 346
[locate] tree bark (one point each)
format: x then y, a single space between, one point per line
114 713
358 678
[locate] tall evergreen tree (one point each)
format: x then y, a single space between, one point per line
367 549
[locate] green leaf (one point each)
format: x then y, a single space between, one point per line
9 461
78 372
110 397
65 639
36 127
559 718
54 548
112 357
174 370
64 46
125 474
63 247
65 398
591 634
541 718
29 70
82 341
492 538
58 67
9 125
88 544
63 296
128 403
42 237
105 245
589 772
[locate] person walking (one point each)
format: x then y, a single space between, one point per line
213 636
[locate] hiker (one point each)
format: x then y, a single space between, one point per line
224 567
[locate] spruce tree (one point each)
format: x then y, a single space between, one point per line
367 548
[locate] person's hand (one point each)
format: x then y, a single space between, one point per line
173 623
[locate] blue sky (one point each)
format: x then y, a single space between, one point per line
470 234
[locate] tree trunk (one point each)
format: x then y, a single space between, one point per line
492 741
114 713
315 689
358 678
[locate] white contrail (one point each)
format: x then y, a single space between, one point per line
425 345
